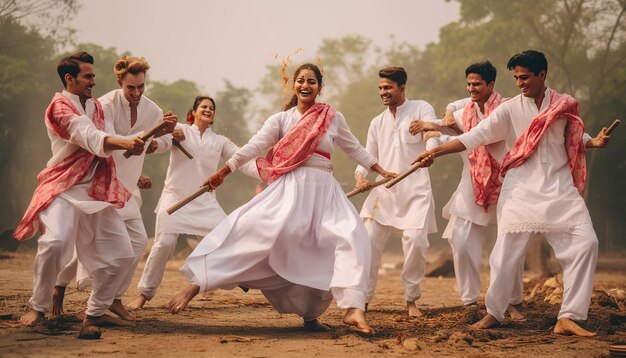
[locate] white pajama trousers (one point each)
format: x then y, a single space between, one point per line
162 249
577 253
102 246
74 269
414 245
467 256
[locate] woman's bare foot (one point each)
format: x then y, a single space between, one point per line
413 310
356 318
566 326
515 313
486 322
32 318
118 308
138 303
105 320
316 326
182 299
58 295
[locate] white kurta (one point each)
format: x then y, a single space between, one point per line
539 195
462 203
117 120
301 227
409 204
185 176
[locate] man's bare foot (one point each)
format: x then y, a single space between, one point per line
58 295
32 318
182 299
413 310
515 313
105 321
566 326
118 308
138 303
316 326
356 318
486 322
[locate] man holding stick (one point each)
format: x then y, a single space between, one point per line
410 206
544 173
74 203
127 113
472 206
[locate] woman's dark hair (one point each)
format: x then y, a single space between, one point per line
318 75
196 103
71 65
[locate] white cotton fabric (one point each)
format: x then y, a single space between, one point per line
301 227
539 195
409 204
185 176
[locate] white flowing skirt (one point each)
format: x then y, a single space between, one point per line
301 228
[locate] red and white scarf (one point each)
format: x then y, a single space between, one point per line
561 106
298 144
58 178
484 168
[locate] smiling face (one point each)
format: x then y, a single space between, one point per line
531 85
391 94
478 88
84 82
306 87
204 114
133 86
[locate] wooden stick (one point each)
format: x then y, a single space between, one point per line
203 189
403 175
147 135
375 184
613 126
182 149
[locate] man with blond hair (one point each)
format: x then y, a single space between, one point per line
128 113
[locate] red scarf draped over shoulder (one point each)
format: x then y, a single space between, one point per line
58 178
298 144
561 106
484 168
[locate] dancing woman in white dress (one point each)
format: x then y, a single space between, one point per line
300 241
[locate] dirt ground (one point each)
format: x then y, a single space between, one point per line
234 323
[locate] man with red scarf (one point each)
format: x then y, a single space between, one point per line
472 206
74 203
544 173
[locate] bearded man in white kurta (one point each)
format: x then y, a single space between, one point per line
128 113
544 173
74 203
409 206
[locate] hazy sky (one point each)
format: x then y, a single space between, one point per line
208 41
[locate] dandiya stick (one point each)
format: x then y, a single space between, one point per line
147 135
203 189
613 126
375 184
404 174
182 149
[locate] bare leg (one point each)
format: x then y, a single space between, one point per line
486 322
413 310
182 299
515 313
58 295
566 326
118 308
105 321
138 303
32 318
356 318
316 326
